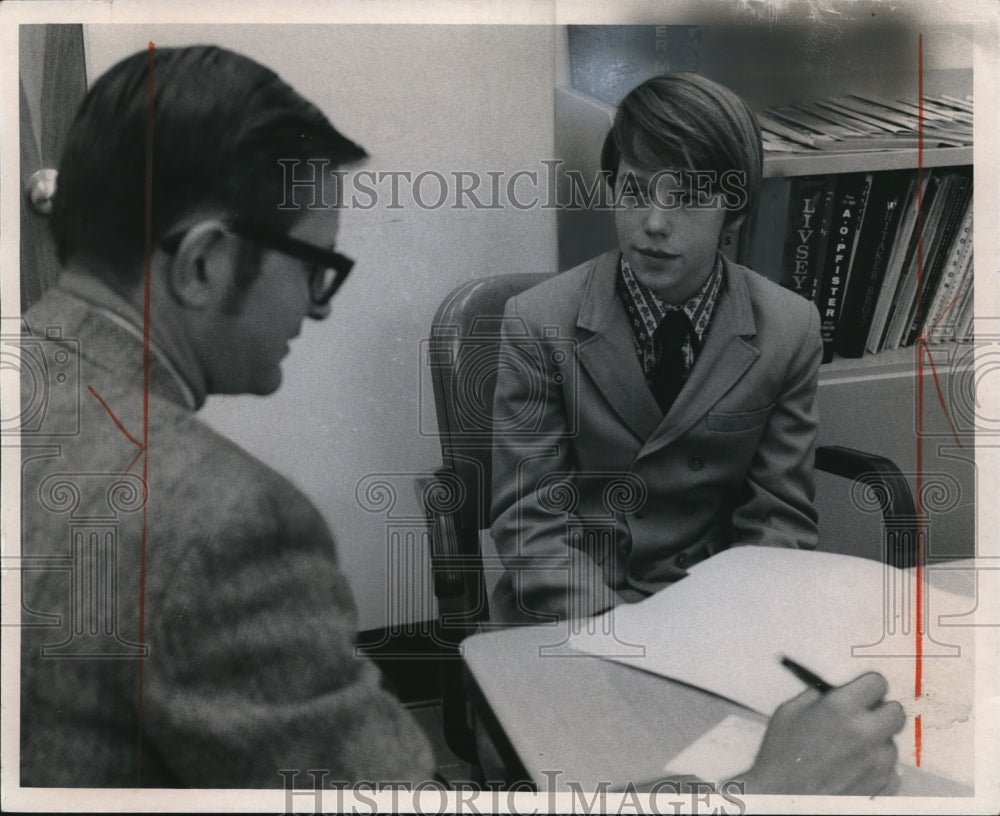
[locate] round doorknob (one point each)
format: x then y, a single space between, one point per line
41 190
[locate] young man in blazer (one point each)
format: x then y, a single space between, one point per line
656 405
673 448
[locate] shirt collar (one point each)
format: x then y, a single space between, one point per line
651 308
119 311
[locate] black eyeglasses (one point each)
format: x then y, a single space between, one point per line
327 269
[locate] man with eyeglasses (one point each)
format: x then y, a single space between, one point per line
186 623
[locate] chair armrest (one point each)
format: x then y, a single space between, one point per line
456 563
450 568
871 469
884 477
449 581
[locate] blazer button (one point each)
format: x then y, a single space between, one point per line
635 573
695 463
681 560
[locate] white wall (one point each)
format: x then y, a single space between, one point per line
476 98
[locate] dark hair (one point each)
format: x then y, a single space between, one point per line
685 121
218 124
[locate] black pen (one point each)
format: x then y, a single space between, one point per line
806 676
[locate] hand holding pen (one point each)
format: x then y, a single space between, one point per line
839 741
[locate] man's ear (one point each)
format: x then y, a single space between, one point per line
202 270
731 226
735 223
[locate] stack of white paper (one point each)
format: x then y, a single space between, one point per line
725 626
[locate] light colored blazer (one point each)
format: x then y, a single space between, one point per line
248 620
598 497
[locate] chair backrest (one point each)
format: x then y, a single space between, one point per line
463 356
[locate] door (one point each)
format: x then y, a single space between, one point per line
52 83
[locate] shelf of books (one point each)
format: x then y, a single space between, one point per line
874 229
803 164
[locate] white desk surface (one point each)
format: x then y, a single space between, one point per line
574 718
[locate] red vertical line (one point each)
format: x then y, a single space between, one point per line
919 600
146 300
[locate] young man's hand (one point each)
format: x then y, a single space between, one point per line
835 743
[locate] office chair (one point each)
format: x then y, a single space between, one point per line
462 355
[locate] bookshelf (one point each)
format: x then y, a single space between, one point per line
893 363
776 166
582 121
883 402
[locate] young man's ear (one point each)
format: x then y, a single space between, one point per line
735 223
730 226
201 271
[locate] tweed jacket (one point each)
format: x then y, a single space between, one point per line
185 621
598 497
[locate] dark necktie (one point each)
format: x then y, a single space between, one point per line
667 376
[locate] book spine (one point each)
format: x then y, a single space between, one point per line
809 212
933 233
875 239
826 224
851 190
926 222
964 305
950 221
901 248
941 313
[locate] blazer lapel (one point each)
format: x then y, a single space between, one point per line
609 355
728 352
